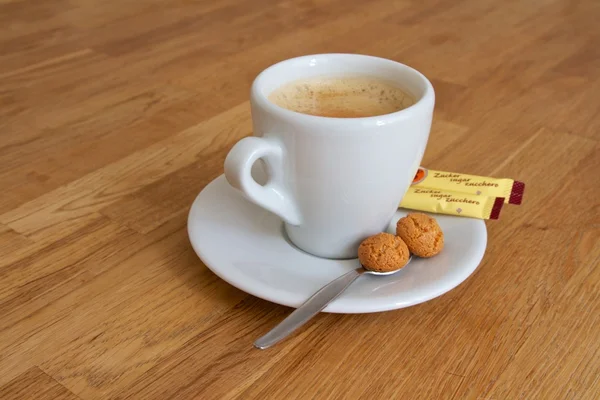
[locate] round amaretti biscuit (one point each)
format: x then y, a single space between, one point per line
383 252
421 233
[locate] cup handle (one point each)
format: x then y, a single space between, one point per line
273 196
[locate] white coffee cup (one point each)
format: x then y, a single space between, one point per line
333 181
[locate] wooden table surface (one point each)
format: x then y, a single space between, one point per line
115 114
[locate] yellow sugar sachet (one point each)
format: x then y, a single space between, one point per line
509 189
442 201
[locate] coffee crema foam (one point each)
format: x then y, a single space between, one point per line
342 97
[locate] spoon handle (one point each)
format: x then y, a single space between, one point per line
311 307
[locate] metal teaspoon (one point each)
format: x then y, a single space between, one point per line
314 305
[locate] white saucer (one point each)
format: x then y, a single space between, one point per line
245 245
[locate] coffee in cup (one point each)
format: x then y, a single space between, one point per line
342 96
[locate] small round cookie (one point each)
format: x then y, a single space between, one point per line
421 233
383 252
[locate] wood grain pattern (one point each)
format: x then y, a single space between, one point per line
35 384
114 115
